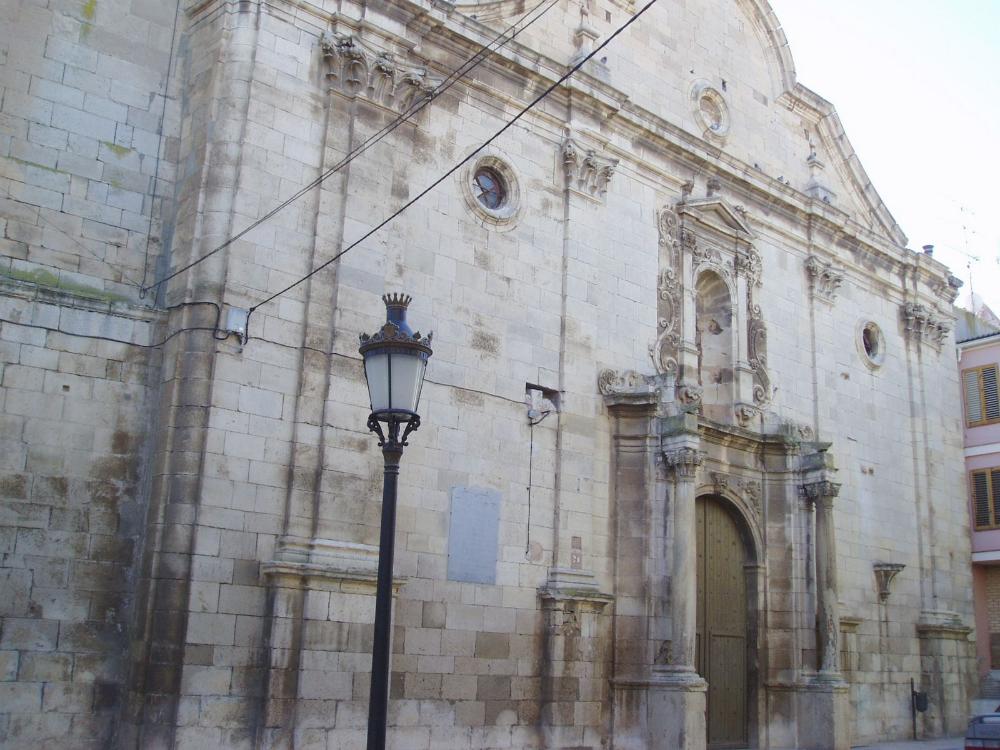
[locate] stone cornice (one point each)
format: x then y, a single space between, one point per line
325 564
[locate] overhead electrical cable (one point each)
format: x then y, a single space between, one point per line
457 166
513 30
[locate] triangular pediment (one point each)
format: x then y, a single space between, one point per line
718 214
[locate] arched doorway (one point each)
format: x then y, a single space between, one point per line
722 631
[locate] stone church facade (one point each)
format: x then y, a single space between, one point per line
692 399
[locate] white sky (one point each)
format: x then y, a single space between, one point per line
917 86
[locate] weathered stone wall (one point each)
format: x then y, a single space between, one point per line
74 428
253 591
84 175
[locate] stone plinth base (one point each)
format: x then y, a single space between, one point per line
823 716
666 712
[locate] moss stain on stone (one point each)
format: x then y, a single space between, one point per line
117 150
36 165
47 279
89 13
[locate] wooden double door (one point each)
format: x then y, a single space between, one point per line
721 645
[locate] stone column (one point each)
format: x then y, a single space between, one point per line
822 494
823 705
683 463
676 699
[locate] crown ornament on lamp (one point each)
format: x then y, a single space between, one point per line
395 360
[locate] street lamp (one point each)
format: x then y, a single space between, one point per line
395 361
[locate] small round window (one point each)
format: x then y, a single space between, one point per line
490 188
871 342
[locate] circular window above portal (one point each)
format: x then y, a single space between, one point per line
491 190
871 343
710 109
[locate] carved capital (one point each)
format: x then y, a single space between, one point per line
924 325
822 492
586 171
374 74
683 462
824 278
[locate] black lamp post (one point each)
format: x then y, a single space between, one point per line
395 362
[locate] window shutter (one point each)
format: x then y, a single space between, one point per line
990 394
995 494
981 497
973 403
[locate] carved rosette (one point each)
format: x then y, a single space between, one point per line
824 278
683 462
757 344
612 382
924 325
374 74
586 171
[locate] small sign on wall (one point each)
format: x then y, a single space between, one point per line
472 535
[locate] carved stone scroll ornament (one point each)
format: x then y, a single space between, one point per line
664 350
746 414
669 228
586 171
757 338
824 278
689 396
612 382
923 325
884 573
374 74
748 263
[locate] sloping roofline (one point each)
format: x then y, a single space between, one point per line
796 96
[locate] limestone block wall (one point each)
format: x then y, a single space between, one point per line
75 418
86 172
248 578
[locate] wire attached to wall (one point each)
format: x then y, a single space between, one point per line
415 108
458 165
